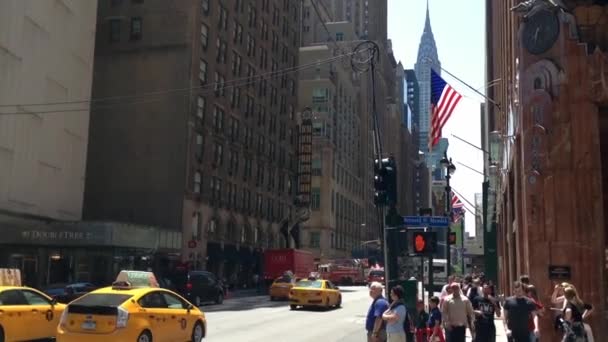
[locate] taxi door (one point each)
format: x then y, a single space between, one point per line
334 294
14 315
155 313
180 322
42 313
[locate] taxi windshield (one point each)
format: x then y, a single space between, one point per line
314 284
376 273
283 280
102 299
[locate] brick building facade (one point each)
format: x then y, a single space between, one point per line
550 146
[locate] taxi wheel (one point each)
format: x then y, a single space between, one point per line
197 332
339 303
1 334
145 336
292 307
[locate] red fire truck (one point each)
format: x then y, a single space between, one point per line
343 271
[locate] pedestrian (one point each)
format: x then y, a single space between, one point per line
518 309
533 324
376 330
457 315
473 291
574 312
422 318
485 306
435 321
524 279
395 316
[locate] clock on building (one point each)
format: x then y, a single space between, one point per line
540 32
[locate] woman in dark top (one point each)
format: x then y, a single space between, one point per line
574 310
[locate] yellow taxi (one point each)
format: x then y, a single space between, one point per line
314 292
135 309
27 314
281 286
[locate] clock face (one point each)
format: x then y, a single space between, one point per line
540 32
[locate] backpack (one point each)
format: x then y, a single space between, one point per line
408 322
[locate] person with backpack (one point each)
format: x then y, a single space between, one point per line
395 316
574 310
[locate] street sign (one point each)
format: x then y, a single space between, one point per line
426 221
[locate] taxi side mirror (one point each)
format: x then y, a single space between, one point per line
337 288
190 307
53 301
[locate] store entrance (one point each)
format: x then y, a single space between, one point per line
58 269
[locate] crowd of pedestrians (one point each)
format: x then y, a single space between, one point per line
472 303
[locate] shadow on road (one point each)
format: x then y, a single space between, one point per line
317 309
244 304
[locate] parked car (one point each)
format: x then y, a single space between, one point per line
65 293
198 287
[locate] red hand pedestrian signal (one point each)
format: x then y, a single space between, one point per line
419 243
424 243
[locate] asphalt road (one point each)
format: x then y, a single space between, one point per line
257 319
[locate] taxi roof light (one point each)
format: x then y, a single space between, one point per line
128 279
10 277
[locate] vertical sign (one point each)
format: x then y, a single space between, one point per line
305 159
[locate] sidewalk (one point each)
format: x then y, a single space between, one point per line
500 331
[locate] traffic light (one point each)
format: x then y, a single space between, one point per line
452 238
385 181
424 242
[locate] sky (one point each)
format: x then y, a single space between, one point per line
459 30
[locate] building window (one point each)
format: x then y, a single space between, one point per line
315 240
238 33
223 22
316 167
201 108
218 119
221 51
114 30
202 74
196 222
204 36
236 64
216 191
235 98
252 16
199 146
218 155
339 36
136 28
116 3
205 7
315 201
197 182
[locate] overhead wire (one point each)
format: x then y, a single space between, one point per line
213 88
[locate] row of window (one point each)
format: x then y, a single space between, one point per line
228 195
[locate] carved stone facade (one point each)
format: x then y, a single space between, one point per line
554 157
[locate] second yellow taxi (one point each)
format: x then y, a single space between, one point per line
281 286
132 311
314 292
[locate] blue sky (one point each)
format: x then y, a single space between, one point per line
459 29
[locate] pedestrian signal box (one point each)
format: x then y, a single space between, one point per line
424 242
452 238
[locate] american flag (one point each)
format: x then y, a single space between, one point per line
458 210
443 101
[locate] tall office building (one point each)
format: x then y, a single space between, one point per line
215 159
46 56
427 59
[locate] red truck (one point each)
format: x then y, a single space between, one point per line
279 261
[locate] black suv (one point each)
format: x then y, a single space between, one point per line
197 286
